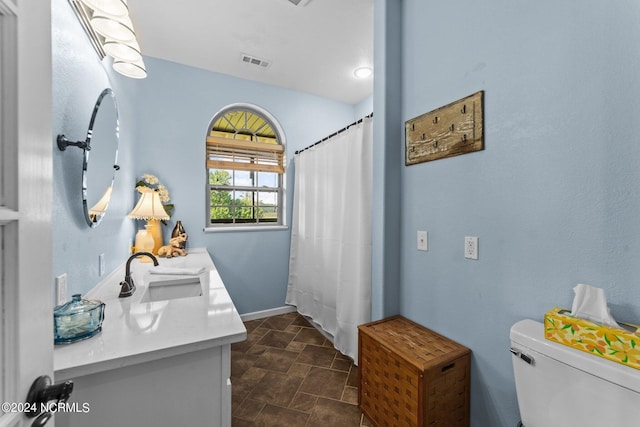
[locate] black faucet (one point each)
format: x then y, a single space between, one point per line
128 287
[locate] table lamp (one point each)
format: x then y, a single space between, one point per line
150 207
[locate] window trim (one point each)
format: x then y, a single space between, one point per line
244 227
280 136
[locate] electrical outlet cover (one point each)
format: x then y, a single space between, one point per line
471 247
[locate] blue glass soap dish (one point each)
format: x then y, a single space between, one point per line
77 320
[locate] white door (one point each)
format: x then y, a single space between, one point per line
26 337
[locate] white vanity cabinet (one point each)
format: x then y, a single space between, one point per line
158 363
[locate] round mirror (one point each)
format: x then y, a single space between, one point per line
102 143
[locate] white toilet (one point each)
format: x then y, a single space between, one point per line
558 386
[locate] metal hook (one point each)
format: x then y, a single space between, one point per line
464 109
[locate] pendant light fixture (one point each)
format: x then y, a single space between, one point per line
124 51
116 28
135 70
110 29
108 7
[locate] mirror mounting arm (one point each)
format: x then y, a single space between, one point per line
63 143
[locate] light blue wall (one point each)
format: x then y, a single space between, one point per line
364 107
174 108
386 213
553 197
78 79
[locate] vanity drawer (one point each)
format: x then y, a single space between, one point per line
411 376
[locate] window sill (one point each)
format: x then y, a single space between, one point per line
245 228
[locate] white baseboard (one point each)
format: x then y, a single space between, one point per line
267 313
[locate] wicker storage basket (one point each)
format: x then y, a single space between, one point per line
411 376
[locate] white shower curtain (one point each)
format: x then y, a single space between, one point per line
330 263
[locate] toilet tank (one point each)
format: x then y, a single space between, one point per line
564 387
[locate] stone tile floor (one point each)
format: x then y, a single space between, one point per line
288 374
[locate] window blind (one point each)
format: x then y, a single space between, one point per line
235 154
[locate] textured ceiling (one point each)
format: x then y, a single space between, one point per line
312 48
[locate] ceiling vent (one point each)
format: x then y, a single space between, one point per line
255 61
300 2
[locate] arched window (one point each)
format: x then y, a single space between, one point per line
245 166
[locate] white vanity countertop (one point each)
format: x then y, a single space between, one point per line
135 332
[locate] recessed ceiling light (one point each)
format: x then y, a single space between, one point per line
363 72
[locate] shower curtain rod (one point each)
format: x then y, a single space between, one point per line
335 133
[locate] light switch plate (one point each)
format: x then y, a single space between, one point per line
61 289
423 240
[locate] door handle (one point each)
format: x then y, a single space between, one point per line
42 391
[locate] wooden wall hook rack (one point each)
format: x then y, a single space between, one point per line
454 129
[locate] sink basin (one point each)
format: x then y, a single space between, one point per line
161 290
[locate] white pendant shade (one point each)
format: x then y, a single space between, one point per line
124 51
134 70
113 8
120 29
149 206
